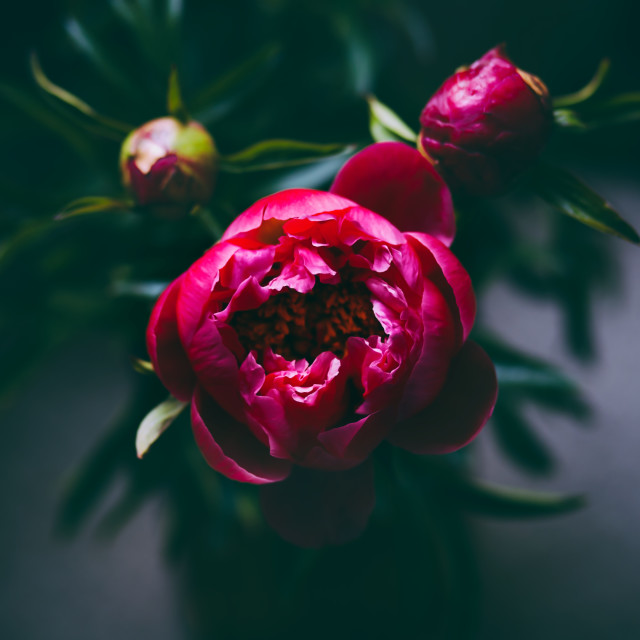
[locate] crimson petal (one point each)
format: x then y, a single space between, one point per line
455 275
461 409
230 447
396 181
165 349
316 508
266 217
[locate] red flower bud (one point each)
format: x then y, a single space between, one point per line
169 166
486 124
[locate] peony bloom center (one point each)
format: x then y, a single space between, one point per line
297 325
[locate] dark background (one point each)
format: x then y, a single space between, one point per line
575 576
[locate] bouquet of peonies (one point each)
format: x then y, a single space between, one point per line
316 329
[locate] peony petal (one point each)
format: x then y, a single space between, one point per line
165 349
455 275
245 263
463 406
438 347
229 446
199 282
353 443
396 181
316 508
278 207
359 223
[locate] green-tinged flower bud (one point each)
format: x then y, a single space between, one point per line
486 124
169 167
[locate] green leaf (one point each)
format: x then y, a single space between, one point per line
73 101
385 124
620 109
45 117
617 110
568 119
92 204
498 501
142 366
89 482
121 513
175 104
522 377
98 56
527 376
572 197
358 47
29 231
277 154
441 476
223 93
518 440
588 90
148 290
156 423
519 370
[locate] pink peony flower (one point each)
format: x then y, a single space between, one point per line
314 330
486 124
168 166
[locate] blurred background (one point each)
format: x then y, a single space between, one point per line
74 312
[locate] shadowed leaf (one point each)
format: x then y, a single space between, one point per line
45 117
572 197
508 502
148 290
222 94
92 204
588 90
276 154
454 484
73 101
518 440
97 55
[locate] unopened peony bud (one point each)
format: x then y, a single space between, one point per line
486 124
168 166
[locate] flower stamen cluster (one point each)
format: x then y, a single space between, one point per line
301 326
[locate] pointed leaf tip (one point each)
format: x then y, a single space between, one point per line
385 125
175 103
498 501
106 124
588 90
565 192
156 422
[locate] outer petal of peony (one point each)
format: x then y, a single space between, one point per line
315 508
463 406
199 281
165 349
230 447
397 182
456 279
430 371
264 219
